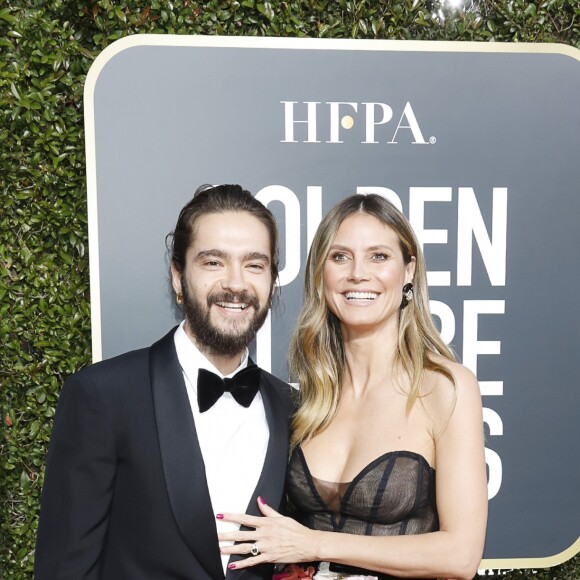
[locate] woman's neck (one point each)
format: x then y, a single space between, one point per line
370 359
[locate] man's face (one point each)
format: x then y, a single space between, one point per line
227 282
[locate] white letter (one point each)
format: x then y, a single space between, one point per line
371 122
446 317
417 198
492 459
335 121
291 226
492 252
313 212
473 347
413 125
289 121
385 192
264 344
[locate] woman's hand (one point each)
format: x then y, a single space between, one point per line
277 539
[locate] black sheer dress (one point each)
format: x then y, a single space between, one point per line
393 495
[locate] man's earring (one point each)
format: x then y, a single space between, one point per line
179 298
407 294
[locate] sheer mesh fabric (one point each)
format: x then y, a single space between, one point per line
393 495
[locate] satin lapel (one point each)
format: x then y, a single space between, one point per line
181 457
271 483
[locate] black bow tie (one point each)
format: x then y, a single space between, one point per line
243 386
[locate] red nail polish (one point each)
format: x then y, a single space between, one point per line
261 500
219 516
232 566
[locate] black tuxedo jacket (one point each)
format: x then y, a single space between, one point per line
125 495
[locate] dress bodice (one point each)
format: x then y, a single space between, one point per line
393 495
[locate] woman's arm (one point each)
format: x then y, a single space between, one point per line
452 552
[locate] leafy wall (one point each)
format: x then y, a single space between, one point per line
46 49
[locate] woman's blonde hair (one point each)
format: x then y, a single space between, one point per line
317 355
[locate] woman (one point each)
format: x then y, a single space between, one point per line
387 473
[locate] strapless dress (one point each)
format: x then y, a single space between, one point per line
393 495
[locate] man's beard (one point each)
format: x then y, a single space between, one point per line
221 341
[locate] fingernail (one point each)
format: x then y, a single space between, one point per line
232 566
261 500
219 516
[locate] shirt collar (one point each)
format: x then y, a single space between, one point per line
191 359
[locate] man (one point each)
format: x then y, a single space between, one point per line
144 451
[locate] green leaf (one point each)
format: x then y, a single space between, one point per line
6 16
14 91
24 480
120 15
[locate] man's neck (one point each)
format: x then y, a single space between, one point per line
224 364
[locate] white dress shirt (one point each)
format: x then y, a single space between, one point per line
233 438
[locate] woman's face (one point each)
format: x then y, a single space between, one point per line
364 274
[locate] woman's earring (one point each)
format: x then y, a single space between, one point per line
179 298
407 294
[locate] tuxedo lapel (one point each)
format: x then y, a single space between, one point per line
181 457
271 483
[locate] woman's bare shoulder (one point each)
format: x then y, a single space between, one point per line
444 397
460 373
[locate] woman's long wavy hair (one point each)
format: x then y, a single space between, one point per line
317 354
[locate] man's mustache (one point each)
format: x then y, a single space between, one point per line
237 297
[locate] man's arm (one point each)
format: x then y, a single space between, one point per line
78 485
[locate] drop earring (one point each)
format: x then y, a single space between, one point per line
407 294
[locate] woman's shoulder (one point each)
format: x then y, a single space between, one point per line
460 374
443 396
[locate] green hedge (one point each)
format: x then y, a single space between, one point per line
47 48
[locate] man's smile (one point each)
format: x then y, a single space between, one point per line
236 306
